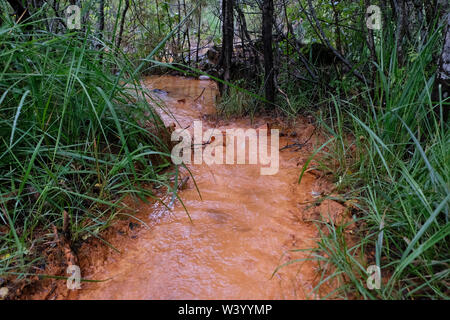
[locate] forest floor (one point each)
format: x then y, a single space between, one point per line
243 227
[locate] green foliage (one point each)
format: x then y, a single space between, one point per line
71 139
237 103
396 168
71 135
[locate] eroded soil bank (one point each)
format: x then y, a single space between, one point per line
243 227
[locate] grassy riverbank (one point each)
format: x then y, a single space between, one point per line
70 140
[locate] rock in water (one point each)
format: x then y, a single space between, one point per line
159 91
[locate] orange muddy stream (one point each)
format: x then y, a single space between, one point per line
242 229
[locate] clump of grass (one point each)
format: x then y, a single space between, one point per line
399 177
70 139
237 103
294 102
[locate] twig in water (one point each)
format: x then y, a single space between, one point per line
299 145
199 95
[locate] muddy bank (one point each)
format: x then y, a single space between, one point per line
243 226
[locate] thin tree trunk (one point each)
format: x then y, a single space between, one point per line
399 7
288 51
173 49
227 41
157 17
442 85
180 44
101 15
186 34
267 26
101 26
199 30
242 37
337 28
122 23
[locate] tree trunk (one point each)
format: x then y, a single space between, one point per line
101 27
442 85
199 30
267 26
180 44
101 14
186 35
400 13
227 41
337 28
122 23
157 17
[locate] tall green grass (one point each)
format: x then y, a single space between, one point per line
237 103
70 139
397 168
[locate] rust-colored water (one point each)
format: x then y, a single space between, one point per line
242 229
